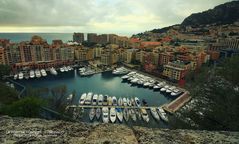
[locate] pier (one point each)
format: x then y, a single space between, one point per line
177 103
97 106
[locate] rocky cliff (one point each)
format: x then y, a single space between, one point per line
24 130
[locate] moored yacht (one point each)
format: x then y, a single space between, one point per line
154 113
20 75
128 102
53 71
100 99
126 114
32 74
119 114
15 76
124 101
92 114
175 92
114 101
82 99
164 88
65 68
120 71
105 114
133 115
105 100
98 113
110 101
94 100
169 90
88 98
120 101
43 72
162 114
112 114
62 69
38 73
145 115
137 101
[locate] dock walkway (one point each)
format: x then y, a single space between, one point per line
97 106
177 103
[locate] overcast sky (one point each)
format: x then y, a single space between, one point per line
101 16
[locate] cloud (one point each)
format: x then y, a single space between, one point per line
102 16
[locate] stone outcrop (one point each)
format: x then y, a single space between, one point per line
26 130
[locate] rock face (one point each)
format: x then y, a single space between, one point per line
227 13
25 130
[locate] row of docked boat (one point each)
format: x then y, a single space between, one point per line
40 73
31 74
105 100
86 71
148 82
112 114
66 69
120 71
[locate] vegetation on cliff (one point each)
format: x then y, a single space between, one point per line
227 13
216 89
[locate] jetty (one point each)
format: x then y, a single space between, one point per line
97 106
177 103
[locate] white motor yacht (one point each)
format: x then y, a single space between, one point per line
119 114
82 99
32 74
105 114
162 114
92 114
65 69
110 101
62 69
137 102
38 73
124 101
133 115
15 76
112 114
20 76
43 72
88 98
175 92
105 100
114 101
120 101
126 114
154 113
98 113
94 100
164 88
53 71
100 99
169 90
145 115
128 102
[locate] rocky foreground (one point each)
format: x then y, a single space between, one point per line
25 130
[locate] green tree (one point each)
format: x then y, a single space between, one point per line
230 70
26 107
4 70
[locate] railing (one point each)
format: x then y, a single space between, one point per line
23 87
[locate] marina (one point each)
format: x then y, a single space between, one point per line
138 104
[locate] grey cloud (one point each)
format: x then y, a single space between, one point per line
87 13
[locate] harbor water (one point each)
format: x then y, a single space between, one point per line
103 83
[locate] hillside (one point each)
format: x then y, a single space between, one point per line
227 13
25 130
